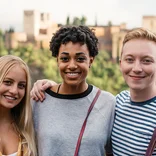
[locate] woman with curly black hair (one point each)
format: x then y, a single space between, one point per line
76 118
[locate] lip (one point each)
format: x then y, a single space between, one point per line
8 97
137 77
72 75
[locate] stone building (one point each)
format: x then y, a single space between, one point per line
105 35
148 22
38 30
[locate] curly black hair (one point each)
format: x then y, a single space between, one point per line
75 34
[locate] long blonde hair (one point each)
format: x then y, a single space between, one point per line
22 113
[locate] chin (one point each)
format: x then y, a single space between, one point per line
136 88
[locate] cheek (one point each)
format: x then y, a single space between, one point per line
60 67
85 67
150 71
22 93
125 69
3 89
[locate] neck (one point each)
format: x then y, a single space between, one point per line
142 95
5 115
72 89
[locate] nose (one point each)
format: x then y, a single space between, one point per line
137 67
13 89
72 65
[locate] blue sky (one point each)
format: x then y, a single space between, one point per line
117 11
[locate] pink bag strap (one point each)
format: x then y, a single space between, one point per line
151 145
85 121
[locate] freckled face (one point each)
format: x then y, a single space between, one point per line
12 89
74 61
138 64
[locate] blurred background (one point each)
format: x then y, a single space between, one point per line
26 28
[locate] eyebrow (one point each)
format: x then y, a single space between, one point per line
7 78
78 53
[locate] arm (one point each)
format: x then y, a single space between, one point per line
37 92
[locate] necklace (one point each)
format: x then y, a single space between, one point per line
58 89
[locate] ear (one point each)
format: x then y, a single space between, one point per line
120 65
91 61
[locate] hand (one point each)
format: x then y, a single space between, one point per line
37 93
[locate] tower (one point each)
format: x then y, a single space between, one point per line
31 23
149 22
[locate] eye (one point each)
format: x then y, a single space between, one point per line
81 59
129 60
21 86
7 82
147 61
64 59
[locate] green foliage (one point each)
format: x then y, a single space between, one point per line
68 20
103 73
83 20
11 30
106 75
76 21
110 23
2 46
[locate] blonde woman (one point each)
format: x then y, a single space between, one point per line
16 127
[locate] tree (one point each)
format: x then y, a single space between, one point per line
109 23
106 75
83 20
76 21
11 30
1 42
68 20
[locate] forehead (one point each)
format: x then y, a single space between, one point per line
16 73
139 47
73 47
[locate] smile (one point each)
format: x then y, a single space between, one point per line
137 77
10 97
72 75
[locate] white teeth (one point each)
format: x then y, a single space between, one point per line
72 74
10 98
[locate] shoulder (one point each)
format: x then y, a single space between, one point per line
38 105
123 94
103 92
106 97
122 98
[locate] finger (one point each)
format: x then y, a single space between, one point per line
34 97
41 96
46 86
35 94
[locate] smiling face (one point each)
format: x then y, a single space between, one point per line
138 64
12 89
74 62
